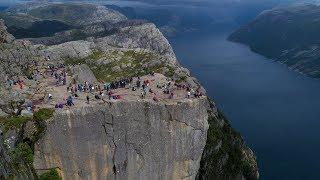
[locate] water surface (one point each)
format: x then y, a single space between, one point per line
275 109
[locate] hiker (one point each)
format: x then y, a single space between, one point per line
55 75
110 95
97 97
188 94
147 82
88 99
64 81
90 87
59 105
155 99
145 91
142 95
29 106
50 96
138 83
9 82
171 95
70 101
20 84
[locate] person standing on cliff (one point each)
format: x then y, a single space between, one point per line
88 99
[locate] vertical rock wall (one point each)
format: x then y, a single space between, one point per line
126 140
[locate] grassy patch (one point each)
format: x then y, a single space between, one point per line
52 174
115 65
43 114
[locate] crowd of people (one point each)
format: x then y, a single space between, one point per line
104 91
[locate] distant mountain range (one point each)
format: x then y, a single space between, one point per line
289 35
36 20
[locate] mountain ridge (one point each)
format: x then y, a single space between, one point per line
286 35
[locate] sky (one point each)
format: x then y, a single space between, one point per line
10 2
194 2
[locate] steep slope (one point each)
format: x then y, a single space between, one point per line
288 35
127 138
4 35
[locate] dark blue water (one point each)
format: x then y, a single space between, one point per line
275 109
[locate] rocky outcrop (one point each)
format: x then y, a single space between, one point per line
5 37
126 140
73 49
15 56
96 30
82 73
146 36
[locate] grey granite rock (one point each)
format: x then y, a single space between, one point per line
5 37
126 140
82 73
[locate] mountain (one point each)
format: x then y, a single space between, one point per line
34 20
122 133
288 35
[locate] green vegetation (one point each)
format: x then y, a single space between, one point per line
225 153
22 155
181 79
52 174
26 26
68 13
39 117
77 34
18 20
28 72
13 122
43 114
118 64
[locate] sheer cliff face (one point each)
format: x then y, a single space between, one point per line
126 140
